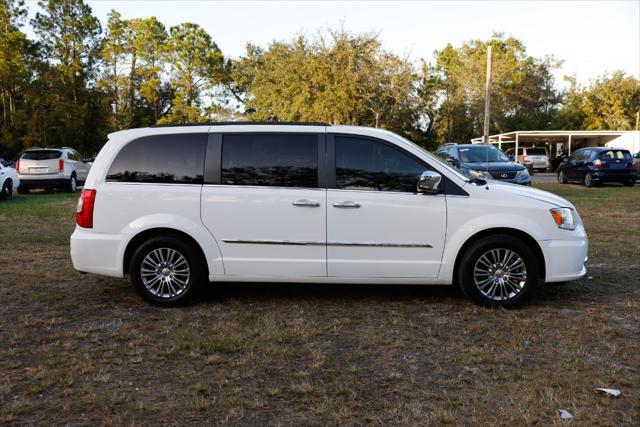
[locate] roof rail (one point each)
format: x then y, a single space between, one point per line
241 123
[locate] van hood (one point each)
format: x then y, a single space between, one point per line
529 193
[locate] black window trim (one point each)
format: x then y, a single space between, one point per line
449 187
213 170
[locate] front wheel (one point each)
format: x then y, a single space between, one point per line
498 271
166 271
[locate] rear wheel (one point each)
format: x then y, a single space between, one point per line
562 179
166 271
72 186
498 271
588 180
630 183
7 190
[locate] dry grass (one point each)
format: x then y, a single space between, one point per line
83 349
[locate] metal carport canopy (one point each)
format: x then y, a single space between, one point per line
601 137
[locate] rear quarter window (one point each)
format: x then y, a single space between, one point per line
162 159
42 155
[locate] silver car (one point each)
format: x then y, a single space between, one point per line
52 168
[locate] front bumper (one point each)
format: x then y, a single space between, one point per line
566 259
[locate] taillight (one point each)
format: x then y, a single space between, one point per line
524 159
18 165
597 163
84 211
60 165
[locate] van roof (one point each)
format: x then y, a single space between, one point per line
242 123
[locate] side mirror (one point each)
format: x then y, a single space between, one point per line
512 158
452 161
429 182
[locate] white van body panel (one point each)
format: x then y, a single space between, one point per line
219 218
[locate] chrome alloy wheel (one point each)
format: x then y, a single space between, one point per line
500 274
165 272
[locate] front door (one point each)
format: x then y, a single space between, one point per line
377 225
268 212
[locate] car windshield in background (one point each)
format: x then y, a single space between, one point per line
41 155
482 153
536 152
615 155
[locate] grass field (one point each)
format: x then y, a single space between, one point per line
84 349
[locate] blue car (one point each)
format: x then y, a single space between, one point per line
480 160
595 165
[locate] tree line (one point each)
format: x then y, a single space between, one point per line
76 82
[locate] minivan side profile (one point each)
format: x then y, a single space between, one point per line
176 207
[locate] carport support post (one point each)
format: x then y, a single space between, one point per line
500 142
517 152
569 151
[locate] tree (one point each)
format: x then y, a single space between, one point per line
524 95
196 63
69 42
336 77
14 74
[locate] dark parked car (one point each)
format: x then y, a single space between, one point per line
595 165
481 159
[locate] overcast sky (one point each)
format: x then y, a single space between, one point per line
591 37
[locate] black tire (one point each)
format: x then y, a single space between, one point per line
7 190
195 264
630 183
588 180
562 179
502 242
23 189
72 185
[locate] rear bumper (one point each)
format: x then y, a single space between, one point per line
565 259
618 176
58 181
96 252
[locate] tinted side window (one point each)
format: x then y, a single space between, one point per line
166 159
278 160
363 164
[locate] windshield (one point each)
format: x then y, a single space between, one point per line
481 153
41 155
615 155
446 166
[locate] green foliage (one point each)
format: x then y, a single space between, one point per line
74 83
339 77
196 63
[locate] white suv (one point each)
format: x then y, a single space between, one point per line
52 168
176 207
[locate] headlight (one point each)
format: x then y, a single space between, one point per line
523 176
480 174
563 218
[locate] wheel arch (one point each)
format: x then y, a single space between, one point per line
508 231
150 233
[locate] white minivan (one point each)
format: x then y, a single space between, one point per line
176 207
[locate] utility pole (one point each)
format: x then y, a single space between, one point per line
487 97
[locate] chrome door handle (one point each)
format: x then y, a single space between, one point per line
304 203
346 205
